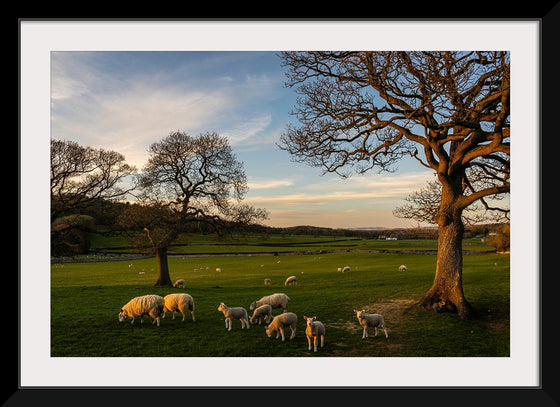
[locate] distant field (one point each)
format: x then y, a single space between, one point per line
210 244
86 298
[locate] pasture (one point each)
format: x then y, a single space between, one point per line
86 297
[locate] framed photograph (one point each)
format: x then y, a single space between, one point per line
139 87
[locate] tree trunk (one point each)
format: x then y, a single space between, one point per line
163 268
446 293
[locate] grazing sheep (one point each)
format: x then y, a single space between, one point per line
280 322
232 313
180 302
267 281
218 269
276 300
263 311
339 269
370 320
137 307
314 330
179 283
290 280
345 269
402 267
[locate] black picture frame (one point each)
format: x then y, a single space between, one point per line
546 394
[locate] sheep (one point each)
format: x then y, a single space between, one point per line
267 281
260 312
370 320
150 304
280 322
231 313
345 269
179 283
218 270
179 302
314 330
276 300
402 267
291 280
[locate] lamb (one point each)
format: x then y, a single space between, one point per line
137 307
179 283
290 280
262 311
267 281
234 313
179 302
370 320
280 322
402 267
314 330
345 269
276 300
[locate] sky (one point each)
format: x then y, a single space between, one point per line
125 101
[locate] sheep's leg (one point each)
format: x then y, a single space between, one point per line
308 343
315 340
293 328
247 323
375 330
385 331
364 333
173 313
193 318
322 340
156 320
282 333
132 322
229 324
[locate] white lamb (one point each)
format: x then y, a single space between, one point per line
345 269
267 281
314 330
179 302
137 307
232 313
179 283
276 300
402 267
264 311
290 280
280 322
370 320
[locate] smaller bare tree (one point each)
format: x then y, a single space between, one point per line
81 175
191 179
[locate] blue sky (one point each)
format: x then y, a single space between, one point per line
124 101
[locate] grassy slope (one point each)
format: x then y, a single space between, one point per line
86 297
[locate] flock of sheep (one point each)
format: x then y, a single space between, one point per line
156 307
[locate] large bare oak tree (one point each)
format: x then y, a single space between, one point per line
449 110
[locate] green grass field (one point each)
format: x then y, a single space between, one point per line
87 296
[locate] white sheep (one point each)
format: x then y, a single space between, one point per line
370 320
179 283
402 267
231 313
267 281
179 302
345 269
218 269
280 322
314 330
137 307
290 280
276 300
260 312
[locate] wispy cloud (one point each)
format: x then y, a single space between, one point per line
270 184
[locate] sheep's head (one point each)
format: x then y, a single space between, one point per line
309 320
122 316
221 307
268 330
253 306
360 313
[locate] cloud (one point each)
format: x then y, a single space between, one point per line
270 184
